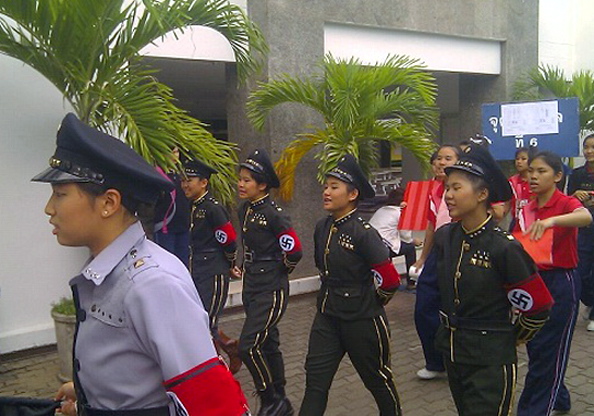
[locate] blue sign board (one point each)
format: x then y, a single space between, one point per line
549 125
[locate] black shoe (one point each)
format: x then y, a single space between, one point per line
270 403
281 406
287 409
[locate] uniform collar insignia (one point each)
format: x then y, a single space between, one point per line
478 230
201 199
344 218
259 201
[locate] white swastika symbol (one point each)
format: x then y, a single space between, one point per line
221 236
377 278
287 243
521 299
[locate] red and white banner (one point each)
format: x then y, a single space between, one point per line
414 216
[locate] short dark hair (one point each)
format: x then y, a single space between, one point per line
589 136
260 178
521 150
94 190
530 151
551 159
351 188
456 149
395 196
554 161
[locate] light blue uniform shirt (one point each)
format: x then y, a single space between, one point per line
143 324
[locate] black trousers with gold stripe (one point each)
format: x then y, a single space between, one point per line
259 341
480 390
367 342
213 294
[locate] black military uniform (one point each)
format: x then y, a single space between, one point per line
271 249
213 252
491 297
351 257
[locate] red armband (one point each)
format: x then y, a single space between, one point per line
225 234
386 275
208 389
289 242
531 296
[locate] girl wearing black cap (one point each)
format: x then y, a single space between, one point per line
352 260
492 296
133 354
271 250
213 251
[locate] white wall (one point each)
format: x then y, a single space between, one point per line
565 34
34 269
438 52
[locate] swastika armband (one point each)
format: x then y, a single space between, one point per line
386 275
225 234
289 242
209 389
530 296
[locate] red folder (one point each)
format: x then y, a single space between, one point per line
541 251
414 216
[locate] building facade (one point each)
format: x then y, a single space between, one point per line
476 50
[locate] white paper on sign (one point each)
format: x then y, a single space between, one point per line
530 118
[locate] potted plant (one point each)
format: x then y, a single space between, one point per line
64 315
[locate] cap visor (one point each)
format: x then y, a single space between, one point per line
51 175
463 169
339 177
250 168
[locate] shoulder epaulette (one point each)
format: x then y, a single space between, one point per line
365 224
504 233
275 205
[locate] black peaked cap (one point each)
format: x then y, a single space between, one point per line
349 171
259 162
196 168
477 160
86 155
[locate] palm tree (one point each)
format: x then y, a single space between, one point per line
361 105
548 81
89 49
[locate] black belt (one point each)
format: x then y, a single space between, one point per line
455 322
153 411
208 250
251 257
342 283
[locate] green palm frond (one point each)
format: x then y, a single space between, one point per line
89 49
281 91
361 105
551 82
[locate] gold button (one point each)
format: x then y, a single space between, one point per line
456 302
458 275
